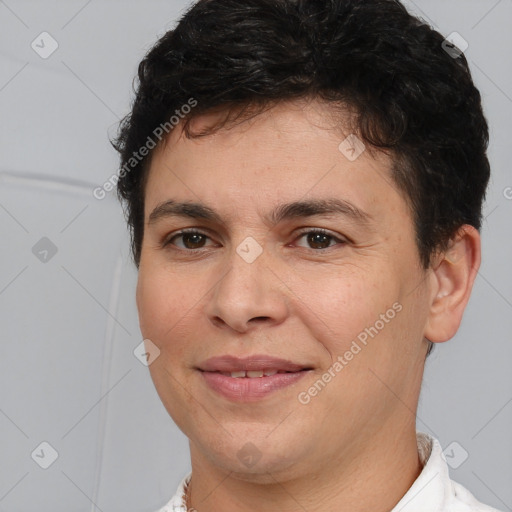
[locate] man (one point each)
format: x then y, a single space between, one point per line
304 184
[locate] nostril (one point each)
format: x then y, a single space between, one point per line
218 322
259 319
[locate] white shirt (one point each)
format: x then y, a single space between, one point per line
432 491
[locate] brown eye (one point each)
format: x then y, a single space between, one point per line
193 240
189 240
318 239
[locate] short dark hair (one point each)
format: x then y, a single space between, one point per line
410 97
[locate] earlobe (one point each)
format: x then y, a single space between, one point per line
452 282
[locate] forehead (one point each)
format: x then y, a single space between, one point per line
290 152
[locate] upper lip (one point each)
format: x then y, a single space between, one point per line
229 363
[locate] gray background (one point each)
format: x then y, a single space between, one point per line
68 375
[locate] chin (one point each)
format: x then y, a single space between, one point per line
261 460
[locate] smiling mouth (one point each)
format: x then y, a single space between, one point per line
250 378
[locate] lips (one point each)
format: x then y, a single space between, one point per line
251 378
250 365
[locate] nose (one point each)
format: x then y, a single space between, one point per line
249 295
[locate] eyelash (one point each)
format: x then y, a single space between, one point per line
306 231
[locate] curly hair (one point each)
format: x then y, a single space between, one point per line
410 97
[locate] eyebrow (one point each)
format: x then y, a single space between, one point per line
286 211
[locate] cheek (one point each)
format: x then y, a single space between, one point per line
150 304
171 305
163 300
345 301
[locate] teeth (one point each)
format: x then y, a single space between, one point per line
251 374
255 373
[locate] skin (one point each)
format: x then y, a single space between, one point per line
353 446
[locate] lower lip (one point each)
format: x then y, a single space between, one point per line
246 389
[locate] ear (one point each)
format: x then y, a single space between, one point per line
452 280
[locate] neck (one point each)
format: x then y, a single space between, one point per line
373 478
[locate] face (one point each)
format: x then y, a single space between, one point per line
293 250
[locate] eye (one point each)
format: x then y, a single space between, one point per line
190 240
319 239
